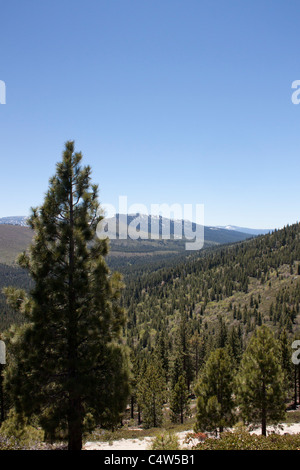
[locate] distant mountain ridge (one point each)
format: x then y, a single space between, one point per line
151 227
251 231
157 225
14 220
16 235
163 222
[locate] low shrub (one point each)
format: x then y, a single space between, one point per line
165 441
19 434
243 440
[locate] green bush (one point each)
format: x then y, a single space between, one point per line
242 440
19 434
165 441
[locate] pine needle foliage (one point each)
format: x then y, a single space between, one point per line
69 358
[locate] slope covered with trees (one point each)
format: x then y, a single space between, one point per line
183 312
67 360
16 277
234 281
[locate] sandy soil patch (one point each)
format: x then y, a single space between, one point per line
130 444
144 444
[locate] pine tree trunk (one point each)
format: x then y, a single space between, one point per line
75 426
298 383
295 388
132 407
75 413
181 410
264 412
197 359
264 426
1 396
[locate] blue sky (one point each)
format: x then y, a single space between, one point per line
169 101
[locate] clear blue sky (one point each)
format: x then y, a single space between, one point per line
170 101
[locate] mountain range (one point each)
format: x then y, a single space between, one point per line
14 220
250 231
163 225
15 236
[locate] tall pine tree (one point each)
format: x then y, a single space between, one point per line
151 393
70 361
260 383
179 400
215 405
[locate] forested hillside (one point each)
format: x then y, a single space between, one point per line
244 284
16 277
181 308
215 297
14 239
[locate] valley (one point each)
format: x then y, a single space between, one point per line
181 306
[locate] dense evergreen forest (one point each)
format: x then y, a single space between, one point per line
183 309
231 280
224 290
182 312
16 277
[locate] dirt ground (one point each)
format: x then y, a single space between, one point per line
145 443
